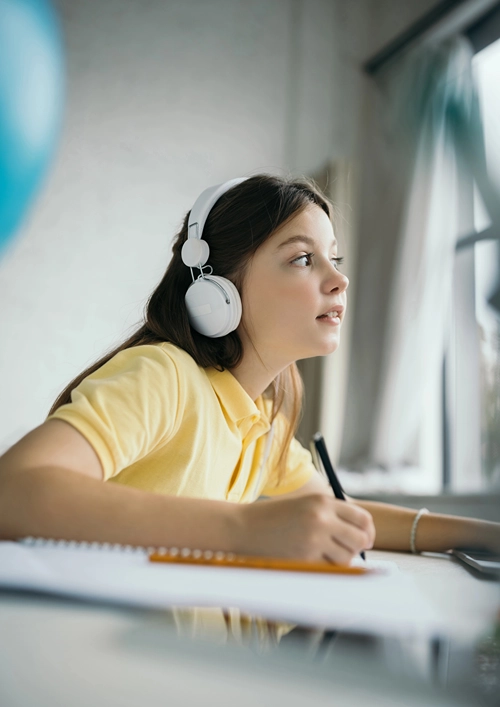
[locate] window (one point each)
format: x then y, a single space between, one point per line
472 366
487 272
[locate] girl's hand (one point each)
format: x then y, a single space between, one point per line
316 527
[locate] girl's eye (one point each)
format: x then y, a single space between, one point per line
305 260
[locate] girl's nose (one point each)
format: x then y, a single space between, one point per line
337 281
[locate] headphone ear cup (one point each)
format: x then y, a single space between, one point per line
235 308
214 306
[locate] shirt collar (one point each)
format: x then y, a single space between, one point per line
236 402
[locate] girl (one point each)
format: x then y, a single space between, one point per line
192 419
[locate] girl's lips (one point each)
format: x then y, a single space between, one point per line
333 321
338 308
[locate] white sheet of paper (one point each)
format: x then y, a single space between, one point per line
387 602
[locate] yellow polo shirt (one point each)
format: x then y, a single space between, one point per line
161 423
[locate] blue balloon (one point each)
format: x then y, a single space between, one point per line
31 100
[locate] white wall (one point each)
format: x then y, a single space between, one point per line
164 98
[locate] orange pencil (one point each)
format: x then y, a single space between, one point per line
268 563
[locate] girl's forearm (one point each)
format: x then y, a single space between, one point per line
63 504
435 532
55 502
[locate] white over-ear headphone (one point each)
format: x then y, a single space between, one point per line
213 303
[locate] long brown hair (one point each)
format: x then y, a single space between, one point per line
240 221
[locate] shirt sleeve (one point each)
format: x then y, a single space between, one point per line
127 407
299 470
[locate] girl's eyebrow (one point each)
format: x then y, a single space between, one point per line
301 239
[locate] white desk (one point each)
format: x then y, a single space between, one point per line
468 603
470 607
58 653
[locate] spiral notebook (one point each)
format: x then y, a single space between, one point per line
386 601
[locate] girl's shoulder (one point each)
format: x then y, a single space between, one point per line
163 354
175 354
158 359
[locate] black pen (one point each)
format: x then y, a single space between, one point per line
320 447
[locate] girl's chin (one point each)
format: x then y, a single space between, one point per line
330 347
323 349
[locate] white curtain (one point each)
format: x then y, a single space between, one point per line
422 135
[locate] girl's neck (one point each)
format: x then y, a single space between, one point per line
254 375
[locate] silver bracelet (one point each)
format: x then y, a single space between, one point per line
414 529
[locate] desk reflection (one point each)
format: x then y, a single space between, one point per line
230 626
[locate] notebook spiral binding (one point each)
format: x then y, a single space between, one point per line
132 549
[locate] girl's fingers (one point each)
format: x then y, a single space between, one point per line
338 554
359 518
349 537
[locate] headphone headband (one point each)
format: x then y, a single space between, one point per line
204 203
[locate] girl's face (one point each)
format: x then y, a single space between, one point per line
292 291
